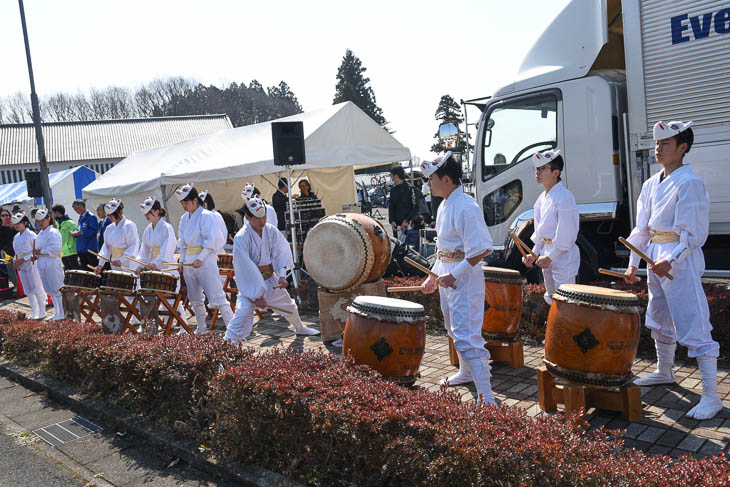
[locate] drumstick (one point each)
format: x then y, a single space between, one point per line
613 273
177 263
404 289
424 269
640 254
519 247
522 244
137 261
167 269
100 256
91 267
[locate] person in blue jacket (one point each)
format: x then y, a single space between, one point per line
86 233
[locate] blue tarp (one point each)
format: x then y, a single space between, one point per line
18 192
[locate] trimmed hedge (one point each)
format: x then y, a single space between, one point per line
322 420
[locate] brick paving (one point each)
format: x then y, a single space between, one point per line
664 427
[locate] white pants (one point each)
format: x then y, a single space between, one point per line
242 323
206 280
463 308
31 278
51 272
561 271
678 309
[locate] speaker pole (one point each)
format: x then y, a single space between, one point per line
36 116
292 230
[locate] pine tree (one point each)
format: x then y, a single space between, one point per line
449 110
353 86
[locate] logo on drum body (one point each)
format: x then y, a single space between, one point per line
411 350
586 340
381 349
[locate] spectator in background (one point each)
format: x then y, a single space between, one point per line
7 233
403 204
413 238
86 235
105 222
280 202
67 228
33 223
305 190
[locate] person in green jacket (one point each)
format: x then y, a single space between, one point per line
66 226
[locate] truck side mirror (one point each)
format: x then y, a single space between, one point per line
449 135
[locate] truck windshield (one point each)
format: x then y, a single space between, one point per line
516 130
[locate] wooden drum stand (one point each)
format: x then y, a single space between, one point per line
511 352
88 302
151 300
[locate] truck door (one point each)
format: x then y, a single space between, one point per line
511 131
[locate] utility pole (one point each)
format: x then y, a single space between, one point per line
36 116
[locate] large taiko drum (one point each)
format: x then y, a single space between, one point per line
387 334
81 279
158 281
118 281
346 250
502 302
592 335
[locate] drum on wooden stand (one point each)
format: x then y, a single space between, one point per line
81 279
502 303
387 334
158 281
592 335
346 250
225 262
118 281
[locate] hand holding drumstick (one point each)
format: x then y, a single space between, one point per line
434 279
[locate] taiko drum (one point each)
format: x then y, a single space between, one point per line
387 334
592 335
346 250
502 302
225 262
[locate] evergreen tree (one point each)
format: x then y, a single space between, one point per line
449 110
353 86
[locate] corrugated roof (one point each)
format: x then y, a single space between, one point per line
102 139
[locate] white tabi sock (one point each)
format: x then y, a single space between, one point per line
710 403
479 364
299 327
463 376
58 307
665 362
200 317
34 311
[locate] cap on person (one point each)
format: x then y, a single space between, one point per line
539 159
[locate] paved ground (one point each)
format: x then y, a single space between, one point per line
101 459
663 429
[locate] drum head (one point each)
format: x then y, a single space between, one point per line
82 273
597 295
501 274
388 309
338 254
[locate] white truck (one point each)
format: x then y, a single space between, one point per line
594 84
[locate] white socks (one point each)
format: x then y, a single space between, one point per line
665 361
478 361
710 403
37 302
58 307
463 376
200 316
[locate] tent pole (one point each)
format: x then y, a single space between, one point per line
292 230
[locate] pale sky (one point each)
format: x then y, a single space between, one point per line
414 51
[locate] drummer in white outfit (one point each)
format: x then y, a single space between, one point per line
463 241
209 205
198 239
249 191
672 223
556 225
121 240
47 253
158 244
260 255
23 243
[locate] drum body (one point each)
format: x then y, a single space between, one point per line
502 303
158 281
225 262
118 281
387 334
81 279
346 250
592 335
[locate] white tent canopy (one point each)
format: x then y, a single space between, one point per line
338 139
66 186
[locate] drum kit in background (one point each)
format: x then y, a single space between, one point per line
115 297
